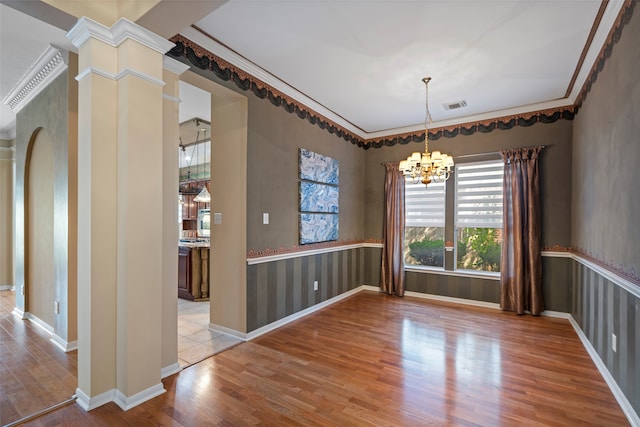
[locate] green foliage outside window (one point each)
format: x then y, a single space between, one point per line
479 249
428 252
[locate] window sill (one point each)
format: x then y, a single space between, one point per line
458 273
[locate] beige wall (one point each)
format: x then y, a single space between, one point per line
7 165
229 188
40 269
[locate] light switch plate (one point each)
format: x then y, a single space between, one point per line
217 218
265 218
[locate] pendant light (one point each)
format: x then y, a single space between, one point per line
204 196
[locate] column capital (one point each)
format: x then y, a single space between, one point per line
119 32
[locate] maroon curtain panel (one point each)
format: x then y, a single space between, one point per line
392 276
521 263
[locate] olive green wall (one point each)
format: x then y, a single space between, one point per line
605 212
53 110
274 139
6 213
555 171
606 205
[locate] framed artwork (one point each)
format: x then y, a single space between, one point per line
318 168
319 197
316 228
316 197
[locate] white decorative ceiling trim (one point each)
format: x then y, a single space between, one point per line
233 58
174 66
559 103
45 69
249 67
607 23
119 32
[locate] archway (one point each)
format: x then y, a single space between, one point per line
39 229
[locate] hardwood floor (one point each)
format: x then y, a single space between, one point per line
377 360
34 373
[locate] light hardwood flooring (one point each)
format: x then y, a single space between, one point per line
34 373
377 360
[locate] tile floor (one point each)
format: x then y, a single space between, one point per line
195 340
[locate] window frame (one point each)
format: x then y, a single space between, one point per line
450 255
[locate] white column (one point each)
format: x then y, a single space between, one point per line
120 177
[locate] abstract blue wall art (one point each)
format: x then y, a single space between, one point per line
319 168
316 197
316 228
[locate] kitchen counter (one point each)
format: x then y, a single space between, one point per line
193 270
194 243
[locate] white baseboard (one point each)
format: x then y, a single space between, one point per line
18 312
39 322
126 403
167 371
626 407
228 331
463 301
88 403
7 288
302 313
62 344
281 322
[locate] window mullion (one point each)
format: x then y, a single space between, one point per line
449 223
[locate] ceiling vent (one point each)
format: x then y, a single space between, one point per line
455 105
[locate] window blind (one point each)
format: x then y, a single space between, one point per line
479 194
424 205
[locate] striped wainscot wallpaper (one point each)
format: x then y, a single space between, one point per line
281 287
596 301
604 305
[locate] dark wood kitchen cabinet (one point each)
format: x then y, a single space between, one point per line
184 273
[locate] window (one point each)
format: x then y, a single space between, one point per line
424 224
478 218
475 194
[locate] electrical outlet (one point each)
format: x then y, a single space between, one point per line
614 342
315 285
56 307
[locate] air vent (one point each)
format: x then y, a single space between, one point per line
455 105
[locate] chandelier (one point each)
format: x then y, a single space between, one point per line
427 167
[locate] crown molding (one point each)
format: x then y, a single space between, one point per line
174 66
610 20
205 53
49 65
119 32
269 79
204 59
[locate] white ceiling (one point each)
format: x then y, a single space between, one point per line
360 63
